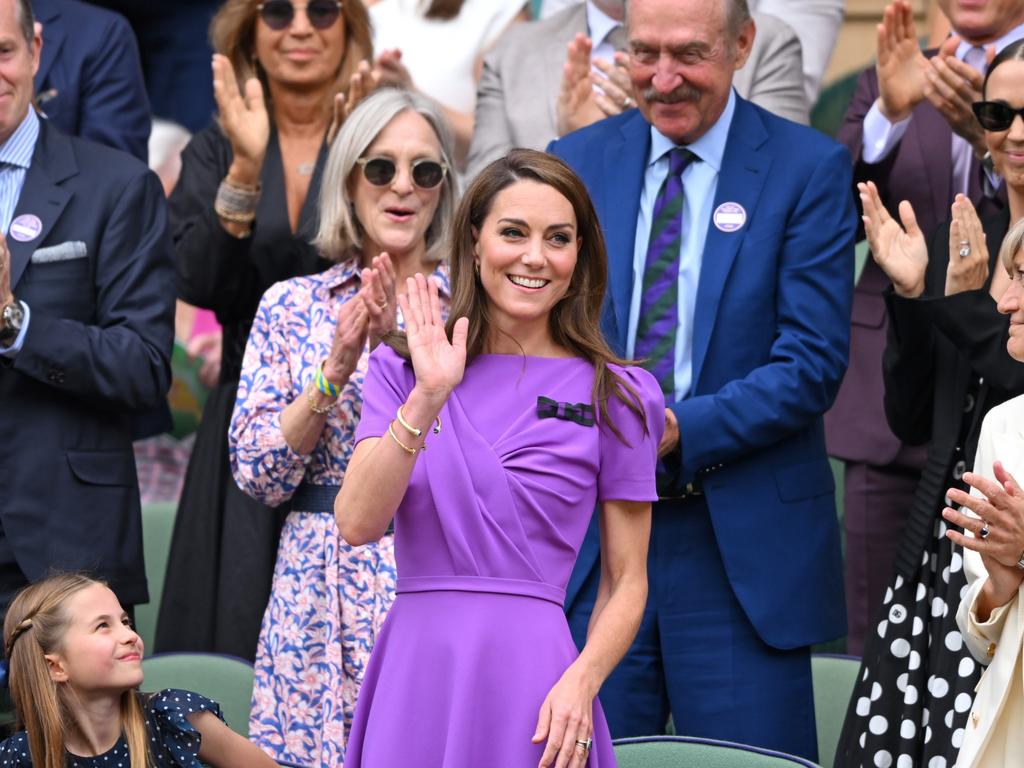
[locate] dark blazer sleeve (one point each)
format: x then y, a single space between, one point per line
114 107
214 270
123 358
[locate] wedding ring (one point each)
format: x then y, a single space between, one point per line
965 249
585 744
382 304
628 103
984 532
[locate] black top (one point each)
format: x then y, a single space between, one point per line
945 367
227 274
173 742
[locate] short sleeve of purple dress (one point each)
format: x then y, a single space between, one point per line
485 540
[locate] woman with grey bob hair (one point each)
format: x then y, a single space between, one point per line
340 230
386 203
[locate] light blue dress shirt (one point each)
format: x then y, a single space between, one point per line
15 160
700 182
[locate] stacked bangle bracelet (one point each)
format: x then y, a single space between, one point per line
408 449
236 202
415 431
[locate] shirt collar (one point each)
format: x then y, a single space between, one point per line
18 148
599 24
1014 34
710 147
340 275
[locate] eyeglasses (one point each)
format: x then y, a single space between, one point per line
995 115
379 171
279 14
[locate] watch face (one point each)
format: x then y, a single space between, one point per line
11 319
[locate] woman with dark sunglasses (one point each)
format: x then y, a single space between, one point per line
386 205
945 367
242 216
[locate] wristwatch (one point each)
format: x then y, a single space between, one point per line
11 318
1020 561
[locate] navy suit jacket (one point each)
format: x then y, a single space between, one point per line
770 345
90 82
97 350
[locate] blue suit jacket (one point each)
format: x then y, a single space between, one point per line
770 344
90 82
97 351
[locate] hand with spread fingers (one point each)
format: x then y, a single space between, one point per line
901 251
348 342
997 528
614 89
437 362
576 106
364 81
244 119
565 722
952 86
968 251
378 295
900 66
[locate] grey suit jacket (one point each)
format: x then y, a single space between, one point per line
518 90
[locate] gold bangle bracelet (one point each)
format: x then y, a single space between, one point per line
403 446
317 409
415 431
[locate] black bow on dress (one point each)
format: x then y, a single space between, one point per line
581 413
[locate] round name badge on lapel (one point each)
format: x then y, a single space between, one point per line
729 217
26 227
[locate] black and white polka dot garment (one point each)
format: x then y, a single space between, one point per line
173 742
916 685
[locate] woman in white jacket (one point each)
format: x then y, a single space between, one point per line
991 617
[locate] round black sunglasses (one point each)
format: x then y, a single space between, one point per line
279 14
379 171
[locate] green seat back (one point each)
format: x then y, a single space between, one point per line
691 752
225 679
157 527
834 678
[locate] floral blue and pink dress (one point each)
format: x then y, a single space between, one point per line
328 599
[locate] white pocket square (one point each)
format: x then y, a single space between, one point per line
72 249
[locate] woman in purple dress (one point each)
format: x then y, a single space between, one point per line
530 421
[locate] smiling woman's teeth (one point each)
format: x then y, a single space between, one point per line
526 282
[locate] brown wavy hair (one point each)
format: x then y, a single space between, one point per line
34 626
233 33
575 321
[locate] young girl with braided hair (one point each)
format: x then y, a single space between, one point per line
75 665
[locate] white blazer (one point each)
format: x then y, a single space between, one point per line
1002 439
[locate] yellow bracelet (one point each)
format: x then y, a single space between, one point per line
415 431
403 446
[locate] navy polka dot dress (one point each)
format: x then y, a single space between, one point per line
173 742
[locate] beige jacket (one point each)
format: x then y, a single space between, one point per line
989 737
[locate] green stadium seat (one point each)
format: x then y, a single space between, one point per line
692 752
225 679
833 677
157 528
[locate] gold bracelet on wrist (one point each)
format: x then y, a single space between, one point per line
236 218
319 410
403 446
415 431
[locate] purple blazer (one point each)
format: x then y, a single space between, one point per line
919 169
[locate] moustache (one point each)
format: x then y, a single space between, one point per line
678 95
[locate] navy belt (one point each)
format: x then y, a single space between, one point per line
314 498
319 499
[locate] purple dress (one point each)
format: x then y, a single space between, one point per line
485 540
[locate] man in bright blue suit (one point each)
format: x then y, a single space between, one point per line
751 219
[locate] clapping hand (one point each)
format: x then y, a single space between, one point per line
999 513
244 120
968 251
378 295
901 66
576 106
438 363
614 94
952 86
900 251
364 81
348 342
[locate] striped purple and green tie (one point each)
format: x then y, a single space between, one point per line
659 302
